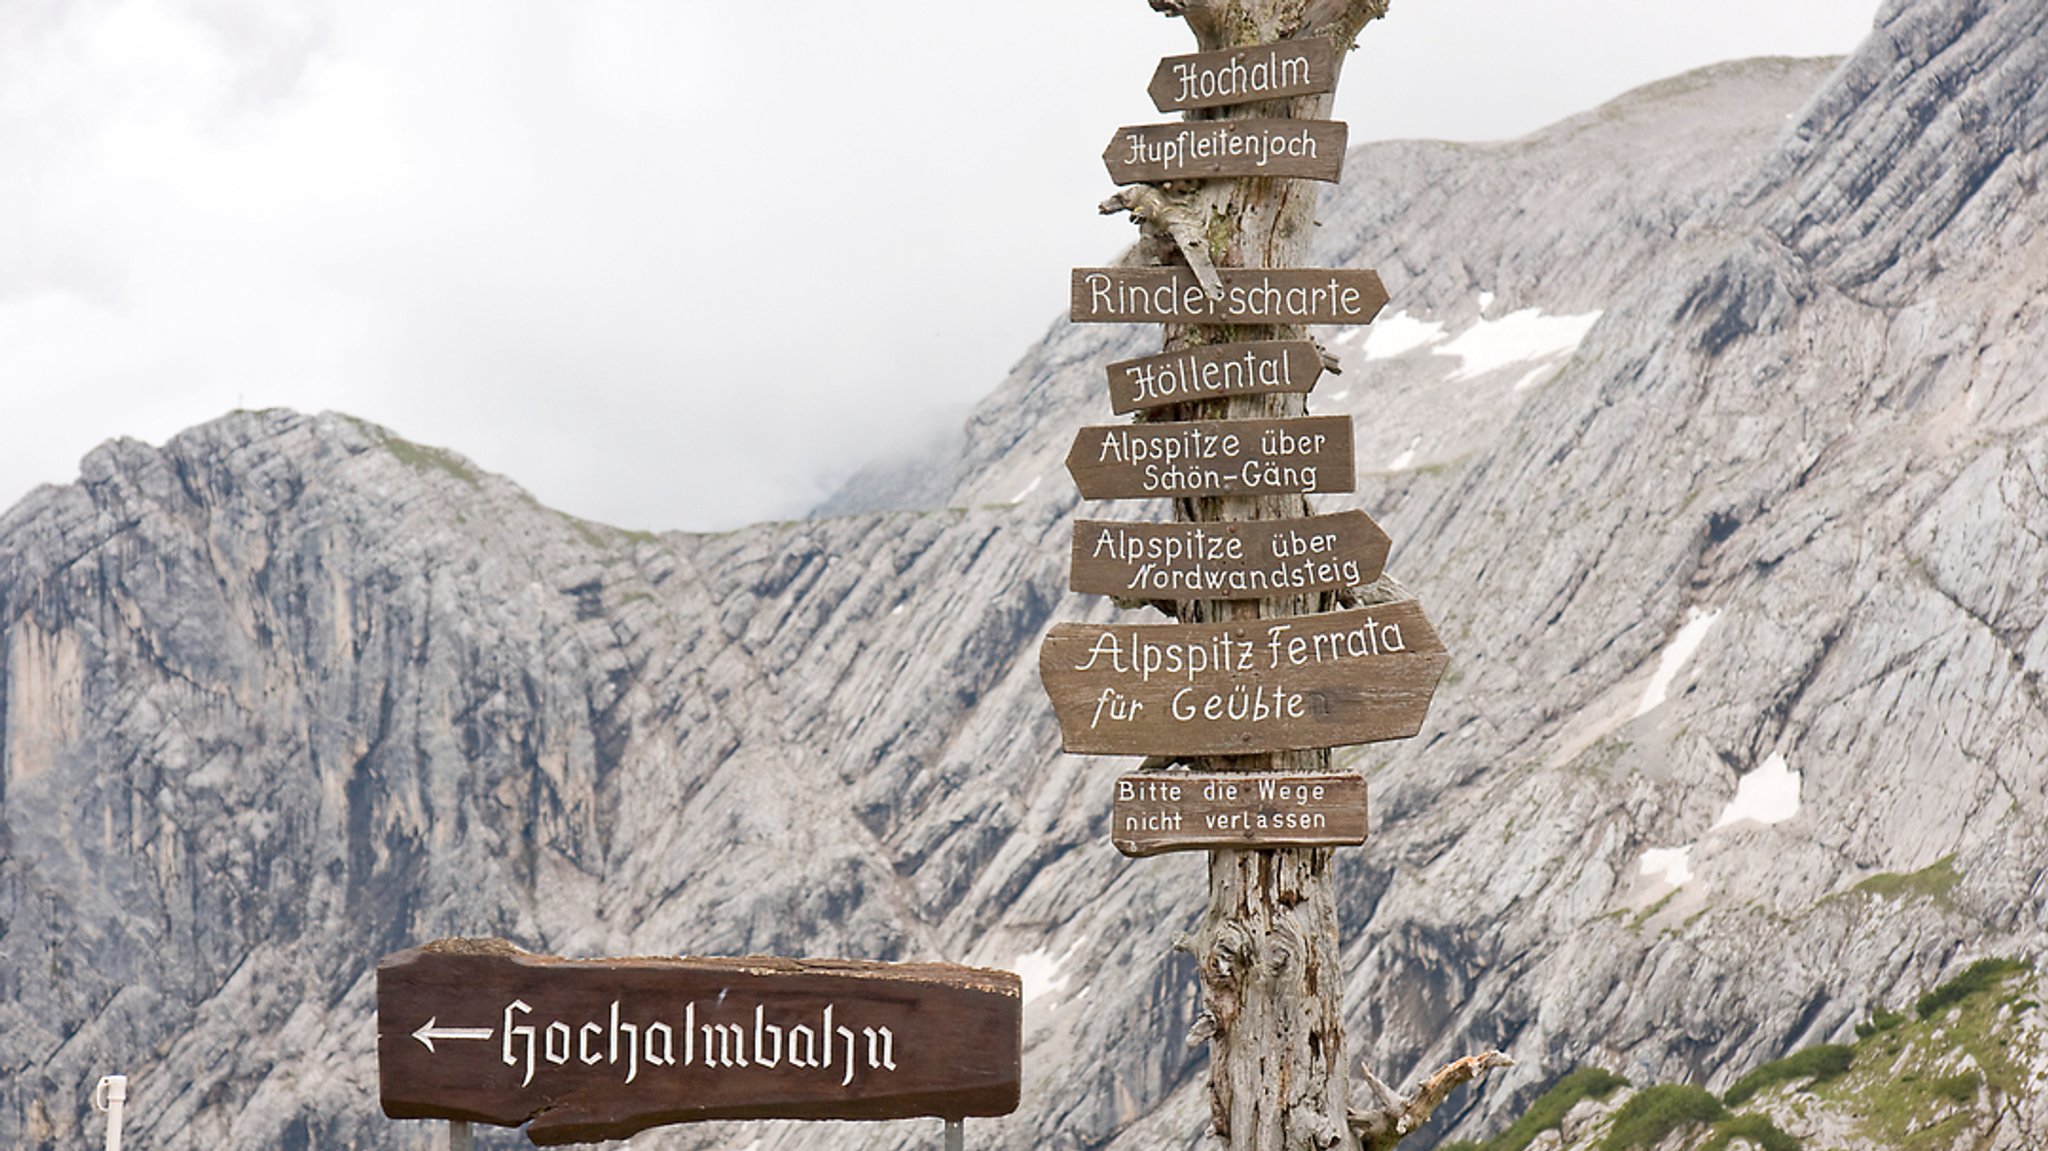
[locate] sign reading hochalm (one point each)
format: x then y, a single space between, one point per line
1242 686
579 1050
1246 559
1241 75
1214 458
1254 368
1160 811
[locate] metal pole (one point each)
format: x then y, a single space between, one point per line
459 1136
109 1096
956 1136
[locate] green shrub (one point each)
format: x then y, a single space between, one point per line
1880 1021
1550 1107
1655 1112
1758 1129
1958 1088
1979 976
1821 1062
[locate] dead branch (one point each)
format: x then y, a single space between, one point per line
1395 1117
1166 218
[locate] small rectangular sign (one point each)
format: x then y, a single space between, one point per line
1160 811
1249 296
1205 149
1256 559
1305 67
1242 686
1214 372
1214 458
580 1050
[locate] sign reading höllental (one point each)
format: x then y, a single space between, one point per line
1255 559
1250 296
1241 75
1202 149
1161 811
1214 458
1255 368
1242 686
587 1049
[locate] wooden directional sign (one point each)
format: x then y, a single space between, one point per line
582 1050
1242 686
1241 75
1255 368
1161 811
1214 458
1249 296
1201 149
1260 559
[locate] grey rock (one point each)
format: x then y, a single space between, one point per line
289 693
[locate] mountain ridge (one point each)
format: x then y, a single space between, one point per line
282 696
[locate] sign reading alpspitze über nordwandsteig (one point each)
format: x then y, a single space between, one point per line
1251 559
1242 686
586 1049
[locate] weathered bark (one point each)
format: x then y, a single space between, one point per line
1267 948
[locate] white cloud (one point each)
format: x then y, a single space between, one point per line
663 265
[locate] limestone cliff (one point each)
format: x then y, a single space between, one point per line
1708 426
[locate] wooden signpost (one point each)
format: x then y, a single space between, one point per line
1214 458
1193 150
1258 368
1161 811
582 1050
1254 559
1240 75
1326 680
1263 675
1175 295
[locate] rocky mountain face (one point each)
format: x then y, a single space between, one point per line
1709 429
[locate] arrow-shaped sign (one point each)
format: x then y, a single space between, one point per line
428 1033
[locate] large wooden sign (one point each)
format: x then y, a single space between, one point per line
1242 686
1161 811
1249 296
1201 149
582 1050
1254 368
1241 75
1258 559
1214 458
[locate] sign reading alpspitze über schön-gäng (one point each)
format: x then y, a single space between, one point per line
581 1050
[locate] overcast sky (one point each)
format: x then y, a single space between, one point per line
666 263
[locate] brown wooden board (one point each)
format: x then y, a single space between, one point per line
1253 559
1253 368
1241 75
1249 296
1242 686
1205 149
1160 811
1214 458
586 1049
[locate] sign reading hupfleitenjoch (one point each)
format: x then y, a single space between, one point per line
1242 686
579 1050
1174 295
1205 149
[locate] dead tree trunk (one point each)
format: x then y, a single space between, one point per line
1267 948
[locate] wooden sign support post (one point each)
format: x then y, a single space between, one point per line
1225 240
